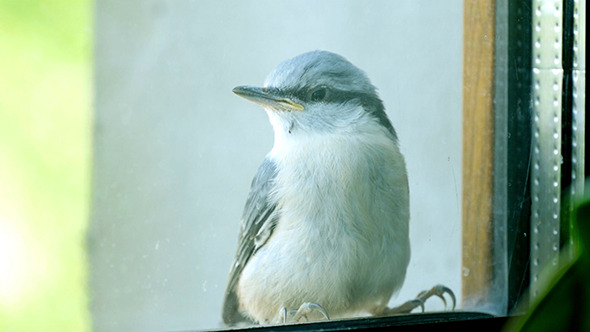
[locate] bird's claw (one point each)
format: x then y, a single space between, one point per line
304 310
438 291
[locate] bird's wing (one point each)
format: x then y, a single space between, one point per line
258 222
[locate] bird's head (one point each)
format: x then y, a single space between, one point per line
318 92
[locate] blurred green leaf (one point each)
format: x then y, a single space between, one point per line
45 155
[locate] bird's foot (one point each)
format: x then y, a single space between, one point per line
303 312
405 308
438 291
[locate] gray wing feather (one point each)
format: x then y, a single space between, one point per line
258 222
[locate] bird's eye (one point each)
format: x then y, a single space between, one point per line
318 94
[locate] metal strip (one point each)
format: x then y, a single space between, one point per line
546 163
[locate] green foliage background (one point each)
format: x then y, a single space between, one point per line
45 163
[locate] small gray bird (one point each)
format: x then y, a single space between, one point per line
325 227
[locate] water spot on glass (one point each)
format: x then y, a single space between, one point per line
465 271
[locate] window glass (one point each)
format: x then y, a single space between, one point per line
176 150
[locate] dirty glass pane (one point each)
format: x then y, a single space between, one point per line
175 150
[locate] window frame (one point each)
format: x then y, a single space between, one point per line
496 153
533 128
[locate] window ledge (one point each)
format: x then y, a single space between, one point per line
411 322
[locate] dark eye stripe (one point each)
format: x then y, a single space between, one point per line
372 104
331 95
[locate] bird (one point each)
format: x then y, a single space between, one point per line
325 228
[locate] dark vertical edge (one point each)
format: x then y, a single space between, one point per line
519 123
566 119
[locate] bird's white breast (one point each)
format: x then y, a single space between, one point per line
342 237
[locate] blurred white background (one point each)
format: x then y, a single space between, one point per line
175 150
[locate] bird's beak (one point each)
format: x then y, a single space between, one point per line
267 98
